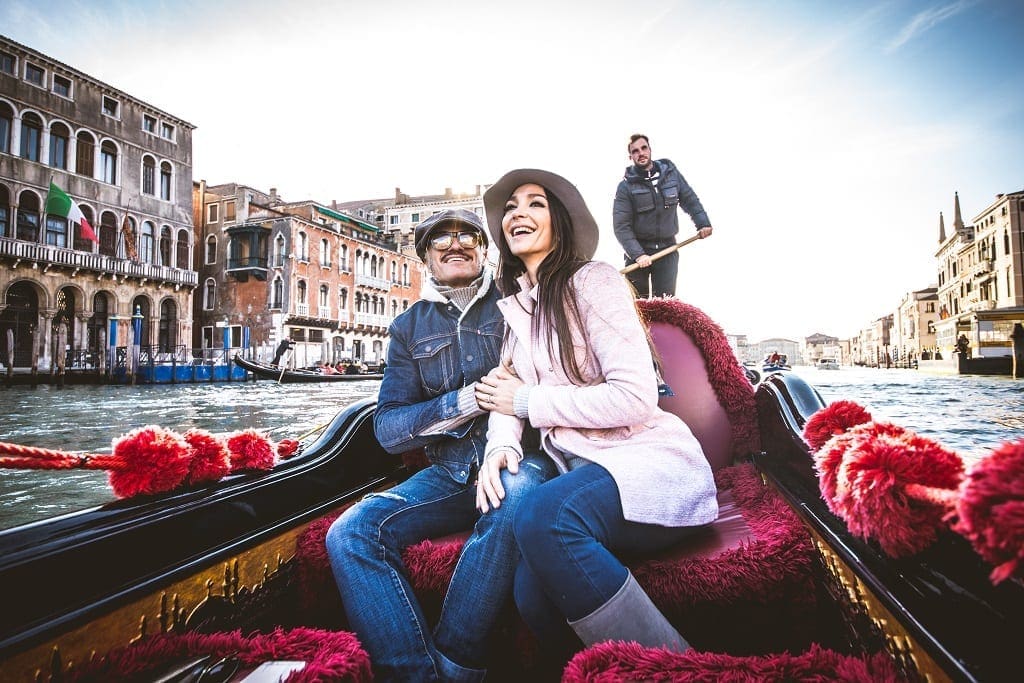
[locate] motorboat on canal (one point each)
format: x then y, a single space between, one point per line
827 364
779 587
287 375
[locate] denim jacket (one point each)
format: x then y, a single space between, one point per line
435 351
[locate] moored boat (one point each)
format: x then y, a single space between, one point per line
779 587
287 375
827 364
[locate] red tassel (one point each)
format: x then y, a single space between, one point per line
251 450
210 459
833 419
151 460
990 512
889 484
286 448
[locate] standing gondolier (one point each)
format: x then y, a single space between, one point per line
645 219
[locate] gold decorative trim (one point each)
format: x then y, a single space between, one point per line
857 597
201 598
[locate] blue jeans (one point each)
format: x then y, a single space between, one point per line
569 532
365 548
658 279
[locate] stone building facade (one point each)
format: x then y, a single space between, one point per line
129 167
981 278
330 282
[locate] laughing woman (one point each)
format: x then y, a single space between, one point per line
577 364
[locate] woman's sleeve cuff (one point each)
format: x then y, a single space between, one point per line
521 402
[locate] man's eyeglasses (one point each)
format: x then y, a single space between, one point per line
467 240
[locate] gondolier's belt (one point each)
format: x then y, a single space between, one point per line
651 247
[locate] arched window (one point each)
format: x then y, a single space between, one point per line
277 293
279 252
344 258
394 272
405 274
84 154
165 246
209 295
31 136
108 162
183 243
165 181
301 288
166 336
6 127
108 234
303 247
97 326
148 175
5 216
59 136
147 242
373 266
325 253
324 302
394 308
343 300
28 217
1006 243
211 250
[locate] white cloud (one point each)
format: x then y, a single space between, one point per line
927 20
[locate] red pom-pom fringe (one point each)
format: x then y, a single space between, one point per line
251 450
889 484
154 460
832 420
990 511
210 459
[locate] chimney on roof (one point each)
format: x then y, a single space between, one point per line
398 195
273 195
334 205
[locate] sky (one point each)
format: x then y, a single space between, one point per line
823 138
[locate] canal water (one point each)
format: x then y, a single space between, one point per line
969 414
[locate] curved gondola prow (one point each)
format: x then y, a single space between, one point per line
97 579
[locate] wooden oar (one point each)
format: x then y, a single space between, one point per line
664 252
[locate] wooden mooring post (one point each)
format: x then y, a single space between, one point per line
1018 350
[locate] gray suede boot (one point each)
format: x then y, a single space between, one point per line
631 616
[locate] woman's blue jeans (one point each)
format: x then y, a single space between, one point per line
570 532
365 548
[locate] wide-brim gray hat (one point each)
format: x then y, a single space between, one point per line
462 217
583 224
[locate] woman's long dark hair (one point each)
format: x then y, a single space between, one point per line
557 311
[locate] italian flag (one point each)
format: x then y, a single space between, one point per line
60 204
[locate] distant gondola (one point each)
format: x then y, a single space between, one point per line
293 376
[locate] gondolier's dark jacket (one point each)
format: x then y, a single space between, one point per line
645 217
436 351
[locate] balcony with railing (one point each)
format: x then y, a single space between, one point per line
302 309
372 320
983 268
372 282
48 256
249 265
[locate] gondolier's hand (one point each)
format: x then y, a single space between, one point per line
705 232
489 491
496 391
644 260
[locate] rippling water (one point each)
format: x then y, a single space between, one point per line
87 418
968 414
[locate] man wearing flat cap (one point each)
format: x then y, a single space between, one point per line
439 348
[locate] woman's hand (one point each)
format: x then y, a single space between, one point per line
489 491
496 391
